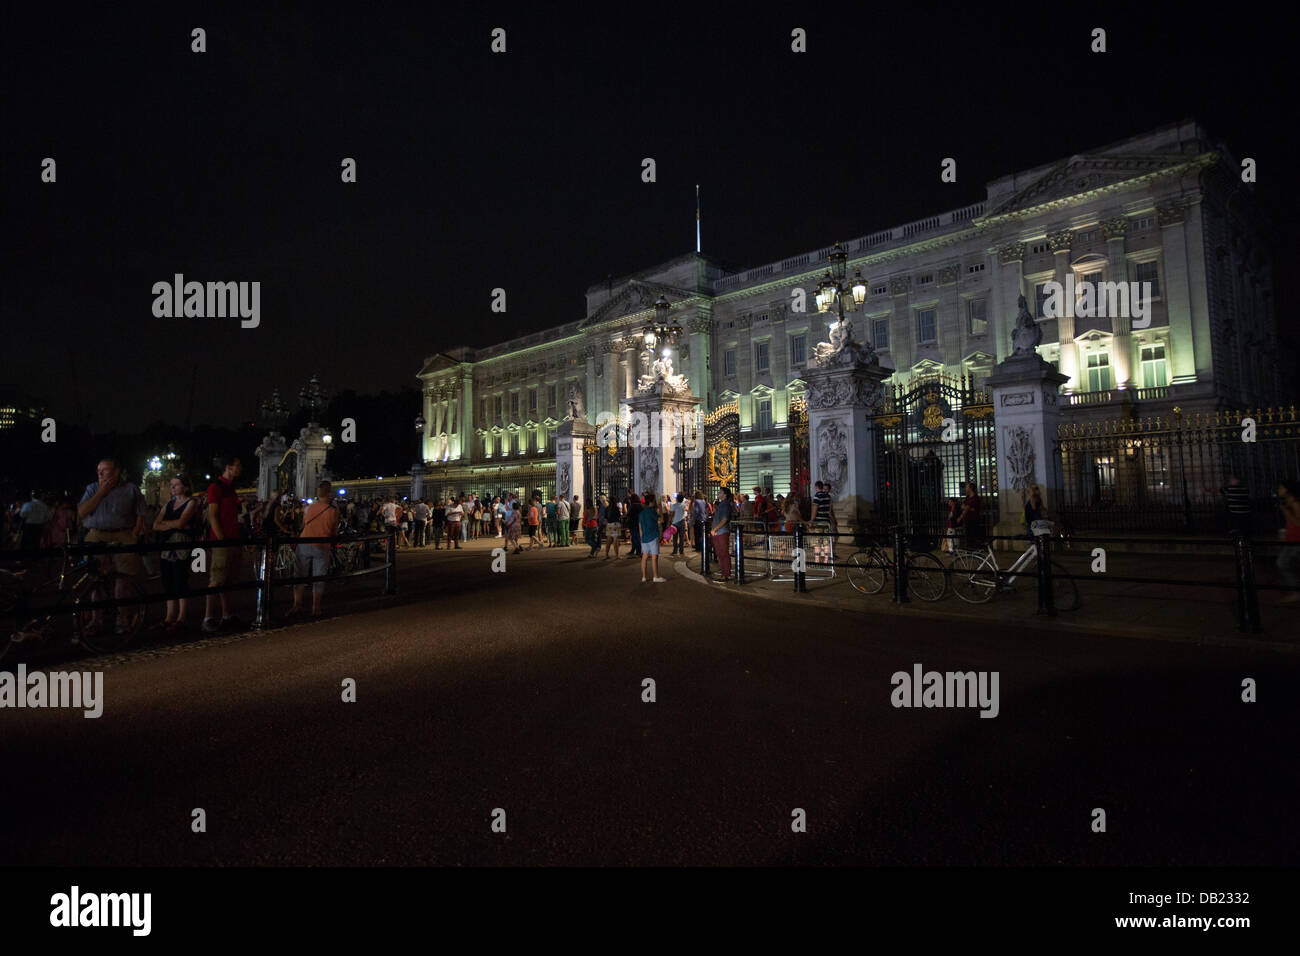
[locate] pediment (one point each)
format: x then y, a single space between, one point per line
438 362
636 296
1085 174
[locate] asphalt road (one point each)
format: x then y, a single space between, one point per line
523 691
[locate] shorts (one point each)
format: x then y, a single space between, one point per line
613 530
128 564
650 547
532 531
223 565
312 560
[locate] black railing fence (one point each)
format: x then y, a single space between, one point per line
1166 473
756 552
263 580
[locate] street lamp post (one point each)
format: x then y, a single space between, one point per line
417 470
834 291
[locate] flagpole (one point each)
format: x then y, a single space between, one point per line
697 219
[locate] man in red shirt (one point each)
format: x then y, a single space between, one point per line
534 524
223 563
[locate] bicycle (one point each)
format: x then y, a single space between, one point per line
76 585
870 567
976 575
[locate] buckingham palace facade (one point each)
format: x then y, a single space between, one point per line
1166 208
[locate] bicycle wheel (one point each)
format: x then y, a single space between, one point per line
284 561
1065 591
120 623
927 578
973 577
867 572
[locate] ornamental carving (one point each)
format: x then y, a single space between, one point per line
832 456
608 347
1114 228
564 482
1012 252
1060 241
841 392
1028 334
700 324
1012 399
743 322
648 468
1169 212
1020 456
947 275
842 349
900 285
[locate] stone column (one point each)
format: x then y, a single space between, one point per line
1059 242
700 329
311 449
417 480
269 454
610 351
654 443
1121 356
1025 415
840 393
1007 288
1176 294
570 460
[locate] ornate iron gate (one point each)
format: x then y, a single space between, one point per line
610 466
721 461
800 477
929 439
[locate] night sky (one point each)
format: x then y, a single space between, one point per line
520 170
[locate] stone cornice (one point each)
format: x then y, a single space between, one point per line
1195 164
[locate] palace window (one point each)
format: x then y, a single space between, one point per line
498 415
925 325
976 268
925 279
798 348
482 410
977 316
514 404
764 414
1142 223
1099 372
1038 248
1155 370
729 362
1148 272
879 290
761 356
532 399
880 334
550 394
1040 296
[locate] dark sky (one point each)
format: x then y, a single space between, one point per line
519 170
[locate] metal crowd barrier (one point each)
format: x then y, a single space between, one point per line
263 581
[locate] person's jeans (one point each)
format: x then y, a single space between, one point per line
635 532
679 538
723 553
699 535
419 533
593 542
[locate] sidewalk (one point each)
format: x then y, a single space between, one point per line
1185 612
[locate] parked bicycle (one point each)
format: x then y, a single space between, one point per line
871 567
976 576
62 599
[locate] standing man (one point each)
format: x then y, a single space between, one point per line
821 508
421 522
550 533
634 524
720 531
575 516
36 518
699 519
677 518
113 512
562 522
320 520
223 563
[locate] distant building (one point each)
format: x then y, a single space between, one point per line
16 406
1166 208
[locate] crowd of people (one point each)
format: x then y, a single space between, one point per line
113 511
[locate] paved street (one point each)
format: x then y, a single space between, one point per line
523 691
